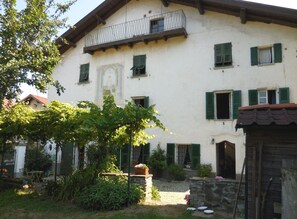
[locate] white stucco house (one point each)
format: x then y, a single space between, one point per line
197 61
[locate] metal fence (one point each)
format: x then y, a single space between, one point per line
172 20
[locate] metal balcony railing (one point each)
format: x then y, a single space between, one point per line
142 27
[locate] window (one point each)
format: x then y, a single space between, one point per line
266 55
269 96
157 25
84 72
141 153
141 101
223 105
139 63
223 55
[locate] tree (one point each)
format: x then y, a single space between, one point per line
13 121
28 52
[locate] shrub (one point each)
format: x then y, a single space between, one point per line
109 194
176 172
155 194
37 159
157 161
204 170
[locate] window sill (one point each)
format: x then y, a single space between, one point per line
223 120
139 76
223 67
265 64
83 82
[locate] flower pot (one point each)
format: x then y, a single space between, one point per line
141 171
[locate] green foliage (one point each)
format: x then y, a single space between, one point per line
204 170
28 52
176 172
109 194
155 194
37 159
157 161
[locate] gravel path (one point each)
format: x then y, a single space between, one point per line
172 193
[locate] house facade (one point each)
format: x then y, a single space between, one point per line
197 61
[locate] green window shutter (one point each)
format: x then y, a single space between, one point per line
284 95
236 102
139 64
218 55
253 97
195 155
170 154
145 152
228 53
278 58
254 56
84 72
209 105
146 102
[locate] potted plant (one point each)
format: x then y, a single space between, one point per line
141 169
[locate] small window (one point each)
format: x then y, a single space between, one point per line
223 105
266 55
223 55
139 65
157 25
141 101
282 95
267 96
84 72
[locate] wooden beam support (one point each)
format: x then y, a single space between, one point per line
243 15
100 20
165 3
199 6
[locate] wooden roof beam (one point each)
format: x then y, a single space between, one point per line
243 16
199 6
100 20
165 3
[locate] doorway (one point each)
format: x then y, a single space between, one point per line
226 160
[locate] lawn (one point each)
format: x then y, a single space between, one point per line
20 204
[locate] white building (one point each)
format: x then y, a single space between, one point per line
197 61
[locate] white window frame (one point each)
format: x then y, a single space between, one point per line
262 48
230 103
266 96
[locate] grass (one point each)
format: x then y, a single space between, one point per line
27 204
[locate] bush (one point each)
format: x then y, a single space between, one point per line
157 161
176 172
204 170
109 194
155 194
37 159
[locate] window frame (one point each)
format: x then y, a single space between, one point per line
263 48
267 96
230 104
145 101
139 66
84 67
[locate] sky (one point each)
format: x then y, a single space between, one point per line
83 7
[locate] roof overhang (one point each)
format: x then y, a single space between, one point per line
246 11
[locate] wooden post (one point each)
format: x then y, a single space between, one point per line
258 202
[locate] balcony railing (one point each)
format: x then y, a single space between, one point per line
155 27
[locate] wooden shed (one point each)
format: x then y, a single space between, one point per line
271 160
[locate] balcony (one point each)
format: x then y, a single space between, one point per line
157 27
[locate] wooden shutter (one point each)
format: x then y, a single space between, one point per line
209 105
218 55
146 102
195 155
277 48
170 154
84 72
236 103
145 152
253 97
254 56
227 53
284 95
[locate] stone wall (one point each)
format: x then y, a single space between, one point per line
145 181
217 194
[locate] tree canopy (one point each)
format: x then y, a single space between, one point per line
28 52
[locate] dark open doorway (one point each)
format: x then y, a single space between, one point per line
226 160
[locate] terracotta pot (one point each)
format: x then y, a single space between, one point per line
141 171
